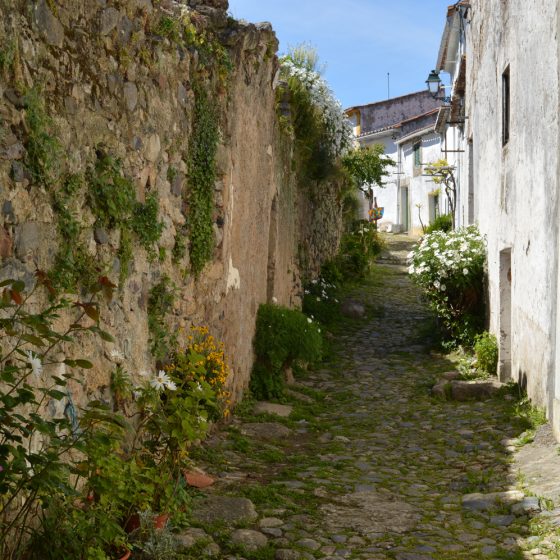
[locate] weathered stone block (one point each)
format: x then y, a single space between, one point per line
28 238
273 408
109 20
130 95
474 390
6 243
48 25
251 540
225 509
485 502
266 430
352 309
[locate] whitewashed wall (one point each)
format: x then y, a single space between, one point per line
419 185
386 196
517 185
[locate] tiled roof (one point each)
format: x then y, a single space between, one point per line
399 125
384 101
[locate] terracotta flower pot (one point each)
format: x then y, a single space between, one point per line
160 521
126 555
133 522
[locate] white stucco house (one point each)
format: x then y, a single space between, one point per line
406 127
503 62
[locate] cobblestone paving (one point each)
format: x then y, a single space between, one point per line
375 467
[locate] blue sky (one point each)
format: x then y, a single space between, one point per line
359 41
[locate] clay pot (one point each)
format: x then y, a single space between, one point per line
133 522
126 555
160 521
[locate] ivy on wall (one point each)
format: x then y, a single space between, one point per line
201 166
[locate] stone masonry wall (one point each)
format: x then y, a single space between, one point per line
111 84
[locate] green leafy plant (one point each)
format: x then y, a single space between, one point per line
367 166
449 267
36 447
144 223
283 338
358 248
160 302
441 223
321 130
153 543
320 298
43 149
111 195
486 350
201 178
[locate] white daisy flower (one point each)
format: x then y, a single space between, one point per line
35 364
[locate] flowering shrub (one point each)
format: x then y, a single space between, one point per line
320 301
449 266
203 361
331 113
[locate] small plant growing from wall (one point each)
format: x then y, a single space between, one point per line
160 302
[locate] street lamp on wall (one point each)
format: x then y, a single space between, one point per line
434 86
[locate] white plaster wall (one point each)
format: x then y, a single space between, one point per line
419 184
386 196
517 185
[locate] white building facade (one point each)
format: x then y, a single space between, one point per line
504 61
405 127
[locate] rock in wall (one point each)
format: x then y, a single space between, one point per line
116 82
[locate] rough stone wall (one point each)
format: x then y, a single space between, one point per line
517 184
107 80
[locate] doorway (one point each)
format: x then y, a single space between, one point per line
504 363
405 215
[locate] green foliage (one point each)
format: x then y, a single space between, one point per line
160 302
441 223
367 166
486 350
112 198
7 54
43 151
34 478
111 195
125 254
449 267
154 543
319 299
358 248
312 147
144 223
170 28
320 127
74 267
180 247
283 337
201 164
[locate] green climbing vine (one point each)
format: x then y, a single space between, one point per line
160 302
74 266
202 175
43 148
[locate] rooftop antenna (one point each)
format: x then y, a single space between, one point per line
388 85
